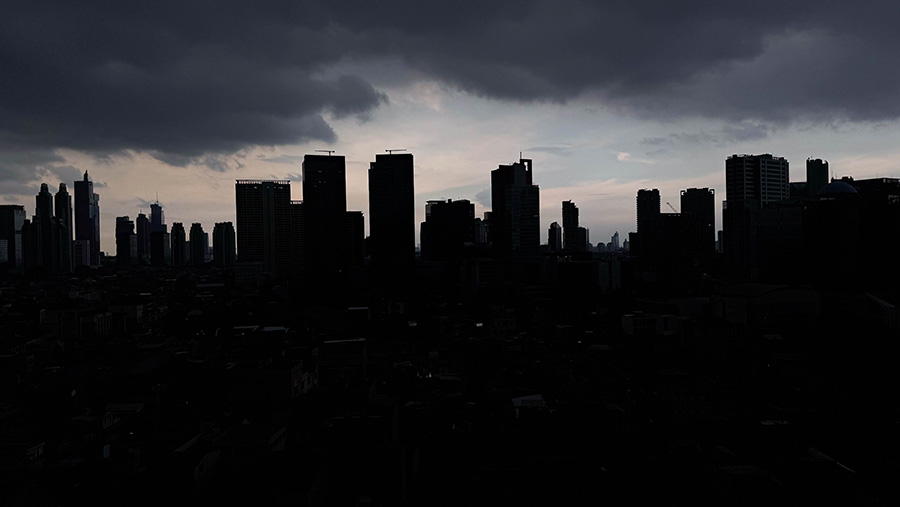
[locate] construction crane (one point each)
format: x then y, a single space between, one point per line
671 207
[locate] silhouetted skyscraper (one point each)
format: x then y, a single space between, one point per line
223 244
570 225
263 212
515 215
448 227
751 183
325 209
87 217
298 240
392 216
647 206
12 218
816 175
554 237
160 248
126 242
143 238
702 202
198 244
356 238
157 217
179 249
44 238
63 207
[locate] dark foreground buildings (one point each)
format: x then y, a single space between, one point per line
263 213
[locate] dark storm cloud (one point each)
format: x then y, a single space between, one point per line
184 81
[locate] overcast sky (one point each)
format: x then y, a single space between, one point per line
605 97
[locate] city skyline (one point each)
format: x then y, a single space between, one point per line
631 106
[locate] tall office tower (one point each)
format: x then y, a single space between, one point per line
447 229
570 225
515 214
647 206
325 209
356 238
143 238
160 248
157 217
702 202
816 175
179 249
223 244
12 218
761 178
126 242
392 215
198 243
263 212
752 182
45 236
554 237
298 240
87 217
615 241
63 210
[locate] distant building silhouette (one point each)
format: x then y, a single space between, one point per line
447 229
325 209
198 241
392 217
126 241
570 225
160 248
752 182
179 248
223 244
63 210
157 217
515 215
554 237
816 176
298 240
87 217
702 202
647 209
143 238
12 218
263 212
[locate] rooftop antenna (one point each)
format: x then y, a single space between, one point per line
671 207
391 152
329 152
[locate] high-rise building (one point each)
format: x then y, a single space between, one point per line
63 211
157 217
160 248
752 182
762 178
515 215
126 242
143 238
325 220
12 218
179 249
44 237
554 237
263 212
392 222
569 225
447 229
87 217
298 240
198 244
648 205
816 175
223 244
702 202
615 241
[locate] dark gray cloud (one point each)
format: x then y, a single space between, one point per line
189 82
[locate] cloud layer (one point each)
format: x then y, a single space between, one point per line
186 80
